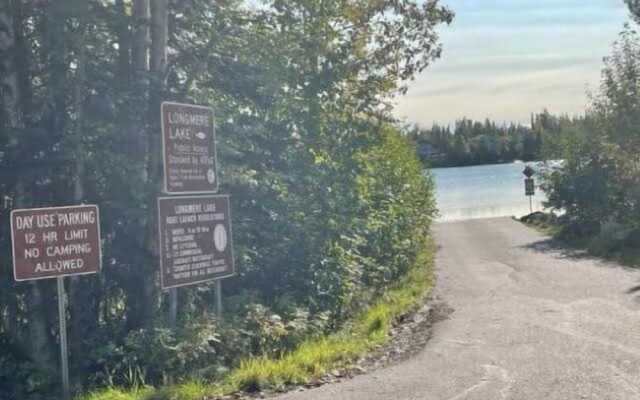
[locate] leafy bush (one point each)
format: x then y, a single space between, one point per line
328 202
203 349
610 239
393 206
157 356
596 186
20 378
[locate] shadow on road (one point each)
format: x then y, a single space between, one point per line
559 249
634 289
636 292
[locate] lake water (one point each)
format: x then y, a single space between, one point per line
483 192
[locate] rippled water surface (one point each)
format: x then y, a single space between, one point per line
483 192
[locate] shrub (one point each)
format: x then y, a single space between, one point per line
20 378
598 181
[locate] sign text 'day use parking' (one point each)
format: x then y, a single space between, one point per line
55 242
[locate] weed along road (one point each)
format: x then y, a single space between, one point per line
529 321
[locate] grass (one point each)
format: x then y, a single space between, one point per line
117 394
314 358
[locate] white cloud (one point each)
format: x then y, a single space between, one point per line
504 59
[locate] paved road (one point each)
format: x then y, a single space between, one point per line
531 322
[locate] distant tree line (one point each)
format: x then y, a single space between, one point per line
470 142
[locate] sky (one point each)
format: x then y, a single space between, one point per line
504 59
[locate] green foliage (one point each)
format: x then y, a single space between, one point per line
596 186
473 142
329 203
398 198
313 358
581 186
395 208
157 355
19 377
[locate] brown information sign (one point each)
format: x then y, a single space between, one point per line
54 242
189 149
195 240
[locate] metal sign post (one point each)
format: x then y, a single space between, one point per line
173 307
531 204
219 299
53 243
64 353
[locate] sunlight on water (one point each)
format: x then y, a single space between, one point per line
483 192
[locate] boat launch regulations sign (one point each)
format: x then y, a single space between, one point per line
195 240
55 242
189 149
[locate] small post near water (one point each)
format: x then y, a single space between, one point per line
529 185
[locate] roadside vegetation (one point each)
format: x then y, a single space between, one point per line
622 249
596 188
314 358
330 205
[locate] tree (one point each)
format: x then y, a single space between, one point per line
634 7
597 184
301 91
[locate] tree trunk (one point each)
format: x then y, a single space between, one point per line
83 299
140 302
159 38
9 94
124 45
140 64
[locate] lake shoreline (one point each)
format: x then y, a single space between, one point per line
484 191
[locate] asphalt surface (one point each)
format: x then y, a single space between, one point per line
530 321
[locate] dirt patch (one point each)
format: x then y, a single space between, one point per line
408 337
